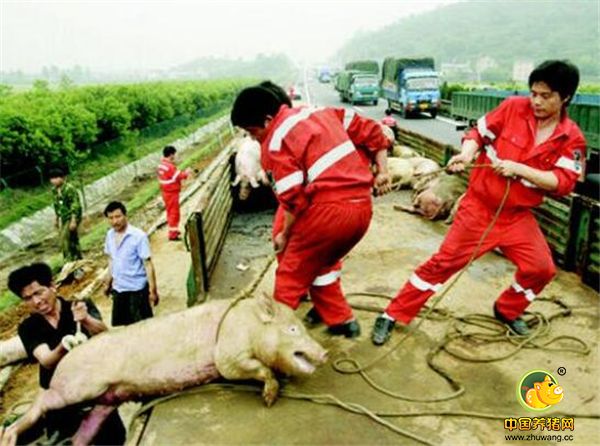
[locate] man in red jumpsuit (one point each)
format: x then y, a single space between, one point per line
532 143
170 179
323 184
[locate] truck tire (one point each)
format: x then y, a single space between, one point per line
375 102
433 113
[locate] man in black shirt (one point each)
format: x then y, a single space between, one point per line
43 333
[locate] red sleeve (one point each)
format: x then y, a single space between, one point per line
569 166
288 176
182 174
365 133
490 125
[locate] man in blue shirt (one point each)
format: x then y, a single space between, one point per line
131 276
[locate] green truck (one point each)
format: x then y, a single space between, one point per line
357 87
366 66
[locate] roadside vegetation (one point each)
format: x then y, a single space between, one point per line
92 131
448 88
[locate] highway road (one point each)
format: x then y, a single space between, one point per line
439 129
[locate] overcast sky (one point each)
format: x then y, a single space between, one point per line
115 35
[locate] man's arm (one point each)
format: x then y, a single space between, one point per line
89 322
75 208
543 179
280 239
468 150
151 281
107 280
49 358
383 182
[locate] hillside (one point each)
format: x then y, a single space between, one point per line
275 66
504 31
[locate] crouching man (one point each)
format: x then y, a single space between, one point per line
47 334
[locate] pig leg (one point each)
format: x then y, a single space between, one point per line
91 425
251 368
48 400
237 180
403 208
263 177
253 182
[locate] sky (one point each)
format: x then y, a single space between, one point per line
114 35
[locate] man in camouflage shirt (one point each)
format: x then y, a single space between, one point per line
67 207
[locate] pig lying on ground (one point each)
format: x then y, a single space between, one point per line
435 196
248 171
167 354
422 167
400 151
401 172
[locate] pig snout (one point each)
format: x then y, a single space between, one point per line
244 190
428 205
307 360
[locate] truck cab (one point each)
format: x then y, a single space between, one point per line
419 91
364 88
411 86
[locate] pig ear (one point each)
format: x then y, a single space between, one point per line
266 307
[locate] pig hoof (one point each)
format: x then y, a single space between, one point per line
270 393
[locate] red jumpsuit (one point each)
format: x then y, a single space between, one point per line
323 180
505 133
170 179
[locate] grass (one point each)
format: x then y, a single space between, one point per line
18 203
94 237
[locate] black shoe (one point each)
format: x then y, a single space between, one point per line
518 326
312 318
382 330
349 329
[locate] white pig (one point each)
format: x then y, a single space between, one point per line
401 172
422 168
248 171
400 151
169 353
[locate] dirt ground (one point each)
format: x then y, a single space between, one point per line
395 245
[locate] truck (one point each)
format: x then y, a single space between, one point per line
366 66
357 87
324 75
411 86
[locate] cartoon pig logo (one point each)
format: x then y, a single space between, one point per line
539 390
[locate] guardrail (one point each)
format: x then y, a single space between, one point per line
208 223
585 111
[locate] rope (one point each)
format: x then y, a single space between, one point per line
246 292
398 185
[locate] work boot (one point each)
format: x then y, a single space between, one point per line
518 325
349 329
382 330
312 318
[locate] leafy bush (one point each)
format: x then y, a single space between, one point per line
43 127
